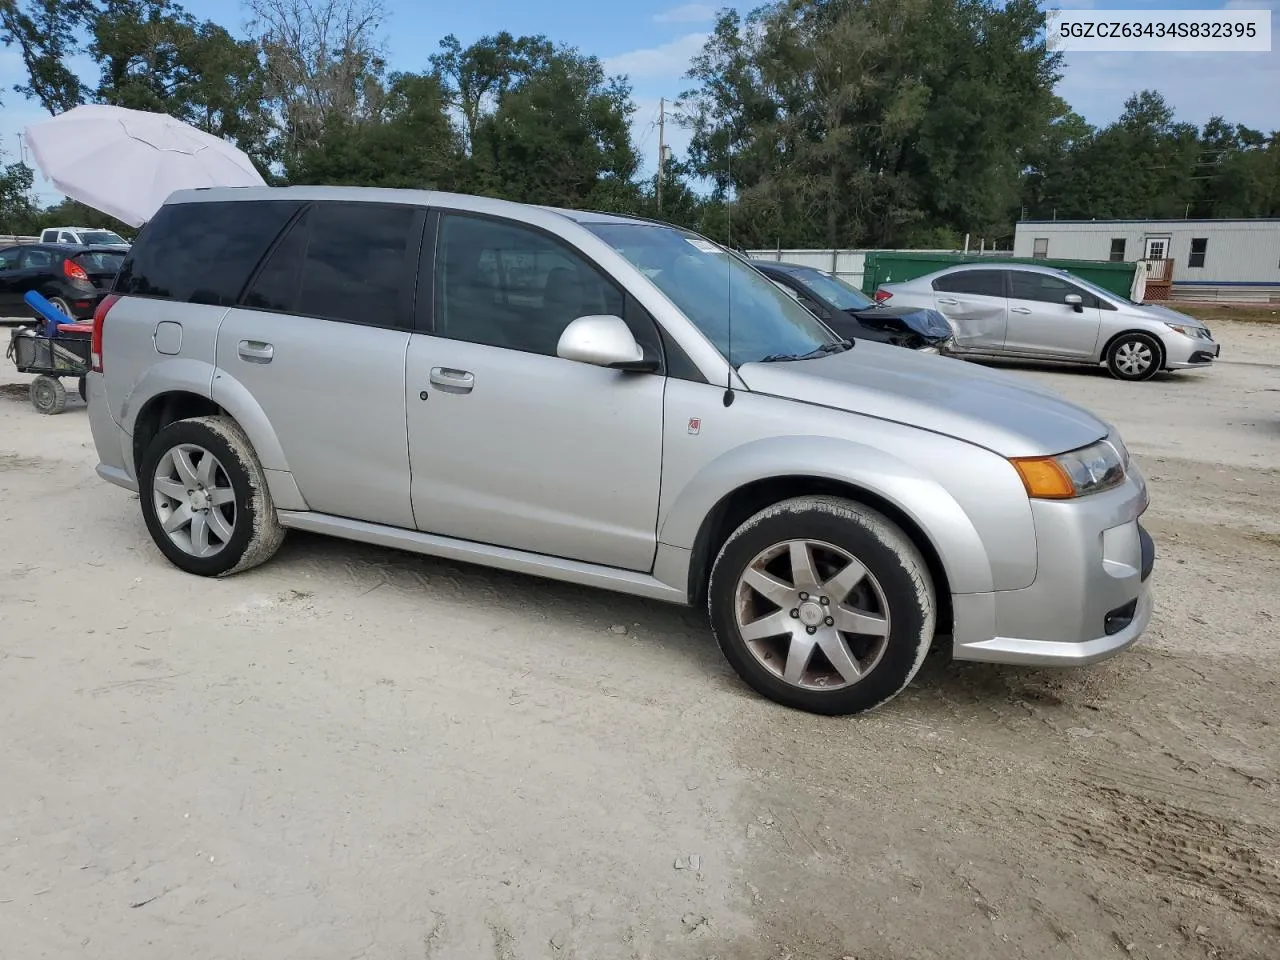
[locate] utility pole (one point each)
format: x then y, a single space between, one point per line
662 146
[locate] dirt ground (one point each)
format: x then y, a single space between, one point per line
356 753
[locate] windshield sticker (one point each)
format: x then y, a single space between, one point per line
706 246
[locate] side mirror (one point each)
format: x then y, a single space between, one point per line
1075 302
603 341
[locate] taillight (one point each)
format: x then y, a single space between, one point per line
882 296
99 318
74 270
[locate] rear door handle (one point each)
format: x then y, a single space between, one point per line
947 301
453 381
1019 310
255 351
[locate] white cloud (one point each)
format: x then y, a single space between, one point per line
689 13
669 61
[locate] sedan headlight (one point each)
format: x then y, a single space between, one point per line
1078 473
1195 333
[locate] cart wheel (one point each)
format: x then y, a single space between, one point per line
84 392
48 395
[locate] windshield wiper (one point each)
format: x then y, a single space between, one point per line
838 347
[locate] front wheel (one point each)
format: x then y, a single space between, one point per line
205 499
1135 356
822 604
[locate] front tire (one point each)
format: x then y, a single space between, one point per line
1135 357
822 604
205 499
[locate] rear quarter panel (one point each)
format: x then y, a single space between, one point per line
134 370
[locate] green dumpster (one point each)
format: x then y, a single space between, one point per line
897 266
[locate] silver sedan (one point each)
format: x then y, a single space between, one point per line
1042 313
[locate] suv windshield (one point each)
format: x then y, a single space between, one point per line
102 236
833 289
714 289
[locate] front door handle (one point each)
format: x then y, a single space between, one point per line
453 381
1019 310
255 351
947 301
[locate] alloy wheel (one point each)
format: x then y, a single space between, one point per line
194 500
812 614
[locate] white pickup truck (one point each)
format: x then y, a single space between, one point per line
84 236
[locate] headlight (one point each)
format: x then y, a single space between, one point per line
1195 333
1078 473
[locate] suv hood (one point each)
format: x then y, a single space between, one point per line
999 411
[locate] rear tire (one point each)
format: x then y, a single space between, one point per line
822 604
48 395
1135 357
205 499
62 305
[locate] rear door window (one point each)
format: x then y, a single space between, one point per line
361 263
982 283
202 252
355 262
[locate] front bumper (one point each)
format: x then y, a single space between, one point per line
1184 352
1092 594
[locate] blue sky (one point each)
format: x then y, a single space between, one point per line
652 40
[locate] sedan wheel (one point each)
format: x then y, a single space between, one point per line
822 604
1135 356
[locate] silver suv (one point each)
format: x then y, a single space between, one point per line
611 402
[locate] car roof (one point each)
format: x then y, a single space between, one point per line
392 195
781 266
1002 265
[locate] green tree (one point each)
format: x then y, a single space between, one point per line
154 56
17 211
46 33
841 122
540 123
409 144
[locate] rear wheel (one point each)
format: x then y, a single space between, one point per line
205 498
48 395
1135 356
62 305
822 604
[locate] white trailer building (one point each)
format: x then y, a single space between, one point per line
1212 259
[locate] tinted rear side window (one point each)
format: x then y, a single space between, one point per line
985 283
202 252
277 284
361 263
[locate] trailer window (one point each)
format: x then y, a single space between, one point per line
1199 247
1040 248
1117 249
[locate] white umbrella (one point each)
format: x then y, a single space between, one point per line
127 162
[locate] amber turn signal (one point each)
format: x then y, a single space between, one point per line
1044 478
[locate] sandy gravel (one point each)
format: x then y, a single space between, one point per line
355 753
